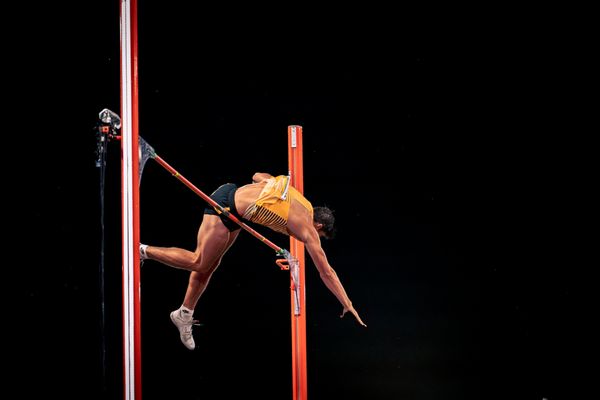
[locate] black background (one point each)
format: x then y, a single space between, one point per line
428 144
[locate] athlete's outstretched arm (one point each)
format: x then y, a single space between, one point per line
328 275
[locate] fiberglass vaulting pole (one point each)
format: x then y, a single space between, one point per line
132 360
299 384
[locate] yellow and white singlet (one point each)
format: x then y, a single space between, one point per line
272 207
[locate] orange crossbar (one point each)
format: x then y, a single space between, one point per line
299 382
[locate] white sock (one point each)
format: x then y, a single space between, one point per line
185 312
143 251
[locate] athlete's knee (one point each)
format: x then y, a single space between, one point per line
200 275
196 261
198 267
204 266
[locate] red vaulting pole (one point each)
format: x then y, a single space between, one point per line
299 385
132 344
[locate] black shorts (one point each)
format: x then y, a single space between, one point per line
225 197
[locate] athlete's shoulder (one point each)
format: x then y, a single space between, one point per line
261 177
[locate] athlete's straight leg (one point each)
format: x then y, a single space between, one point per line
212 241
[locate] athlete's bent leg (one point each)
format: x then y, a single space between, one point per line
213 241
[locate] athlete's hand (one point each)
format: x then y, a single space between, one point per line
353 311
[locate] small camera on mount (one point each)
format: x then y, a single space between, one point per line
108 127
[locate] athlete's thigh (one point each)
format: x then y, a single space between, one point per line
213 240
232 236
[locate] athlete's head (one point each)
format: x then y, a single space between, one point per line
325 221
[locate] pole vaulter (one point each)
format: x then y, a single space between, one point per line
288 262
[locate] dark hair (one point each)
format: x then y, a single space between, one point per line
324 216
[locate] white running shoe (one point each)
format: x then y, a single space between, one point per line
185 328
